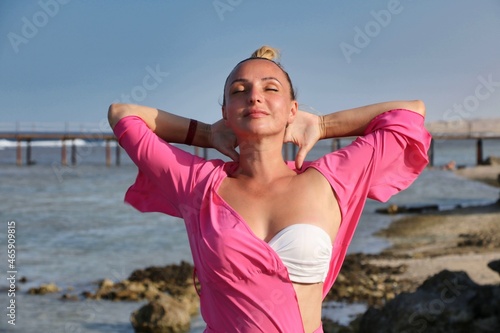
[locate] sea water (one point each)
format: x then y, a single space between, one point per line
73 229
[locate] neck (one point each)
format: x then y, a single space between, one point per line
262 160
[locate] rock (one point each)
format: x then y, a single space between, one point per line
330 326
106 283
445 302
69 297
173 279
176 280
163 315
44 289
492 160
360 281
495 265
170 290
451 165
392 209
125 291
395 209
481 239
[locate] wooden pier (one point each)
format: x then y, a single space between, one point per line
478 130
462 129
64 138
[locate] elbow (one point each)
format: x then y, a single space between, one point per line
419 107
115 113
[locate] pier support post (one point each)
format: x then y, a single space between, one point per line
479 151
431 153
64 160
205 153
108 154
117 154
19 156
285 151
29 161
73 152
335 144
197 151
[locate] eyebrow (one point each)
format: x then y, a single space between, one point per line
267 78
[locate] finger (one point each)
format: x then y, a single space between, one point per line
231 153
301 156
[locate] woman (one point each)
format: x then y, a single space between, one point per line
268 237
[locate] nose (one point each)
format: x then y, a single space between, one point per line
254 96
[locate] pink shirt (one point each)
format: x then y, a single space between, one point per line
244 284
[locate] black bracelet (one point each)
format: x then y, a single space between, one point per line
191 132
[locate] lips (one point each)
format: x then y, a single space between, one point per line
256 113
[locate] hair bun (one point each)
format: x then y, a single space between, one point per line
267 52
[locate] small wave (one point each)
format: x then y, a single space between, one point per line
45 143
7 144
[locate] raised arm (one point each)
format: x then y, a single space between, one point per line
353 122
174 129
308 128
168 126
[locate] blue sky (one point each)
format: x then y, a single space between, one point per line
67 60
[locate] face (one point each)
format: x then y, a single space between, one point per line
257 99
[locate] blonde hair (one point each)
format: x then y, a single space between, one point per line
268 53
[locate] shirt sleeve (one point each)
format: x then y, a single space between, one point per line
166 174
385 160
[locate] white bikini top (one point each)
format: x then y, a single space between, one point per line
305 250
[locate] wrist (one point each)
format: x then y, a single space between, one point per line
198 134
322 128
203 135
193 125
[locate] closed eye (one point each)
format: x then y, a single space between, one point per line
238 90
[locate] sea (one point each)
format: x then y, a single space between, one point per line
73 229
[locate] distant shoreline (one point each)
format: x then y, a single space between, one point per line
484 127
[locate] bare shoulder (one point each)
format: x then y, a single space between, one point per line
313 175
314 180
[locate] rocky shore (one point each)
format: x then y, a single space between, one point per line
172 297
441 273
169 290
